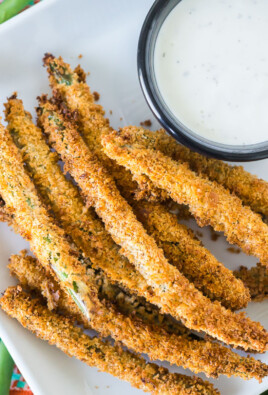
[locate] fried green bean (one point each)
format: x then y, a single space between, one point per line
81 223
71 86
62 196
33 276
252 190
33 222
178 297
209 202
183 251
60 331
48 241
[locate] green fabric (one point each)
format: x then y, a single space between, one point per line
6 369
9 8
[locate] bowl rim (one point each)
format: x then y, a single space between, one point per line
175 128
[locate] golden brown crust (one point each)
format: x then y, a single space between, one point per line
59 331
256 279
32 275
86 230
33 221
28 270
252 190
211 277
37 154
185 252
77 95
209 202
178 296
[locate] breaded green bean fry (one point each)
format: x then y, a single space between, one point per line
252 190
210 276
32 275
178 297
185 252
60 331
209 202
34 223
71 86
81 223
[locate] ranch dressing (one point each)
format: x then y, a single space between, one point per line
211 68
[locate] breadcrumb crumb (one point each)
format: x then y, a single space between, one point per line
96 96
147 123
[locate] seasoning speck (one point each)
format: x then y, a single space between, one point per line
234 250
199 234
96 96
146 123
213 235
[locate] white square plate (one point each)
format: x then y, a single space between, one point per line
105 32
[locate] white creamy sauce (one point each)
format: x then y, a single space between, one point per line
211 67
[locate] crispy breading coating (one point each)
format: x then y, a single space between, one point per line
33 221
81 224
185 252
60 331
178 296
252 190
209 202
71 86
31 274
85 228
54 251
179 245
5 216
211 277
256 279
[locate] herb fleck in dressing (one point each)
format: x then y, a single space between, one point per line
211 67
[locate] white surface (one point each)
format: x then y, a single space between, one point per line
213 74
105 33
